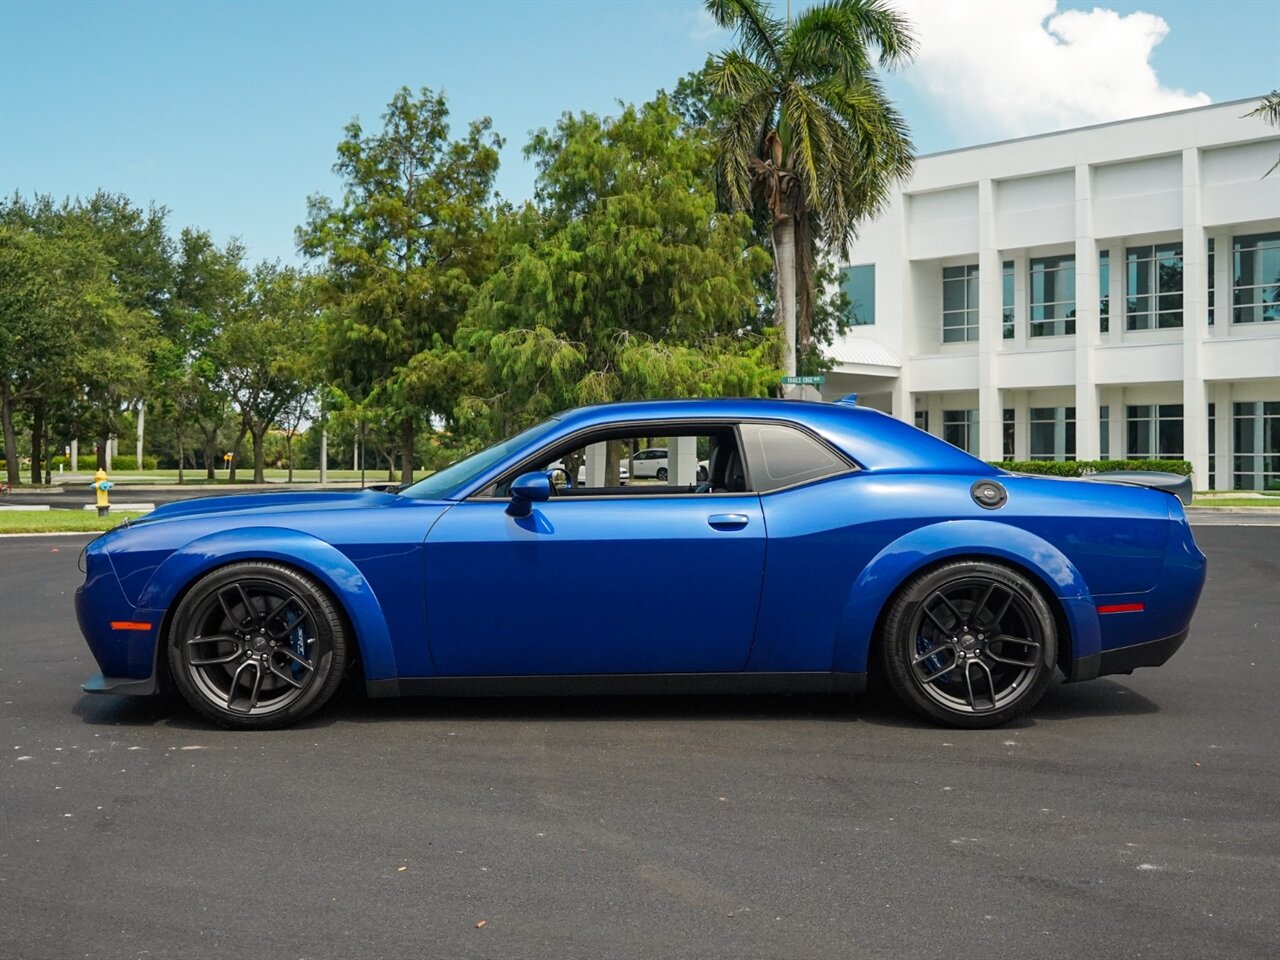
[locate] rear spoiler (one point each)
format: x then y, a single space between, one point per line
1173 483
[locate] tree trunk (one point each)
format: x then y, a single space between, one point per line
49 454
13 464
37 441
408 433
784 278
259 455
178 437
210 452
235 454
103 440
288 451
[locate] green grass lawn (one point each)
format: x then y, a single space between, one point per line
58 521
1261 503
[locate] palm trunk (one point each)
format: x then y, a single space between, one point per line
784 264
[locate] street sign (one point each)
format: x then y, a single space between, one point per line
806 381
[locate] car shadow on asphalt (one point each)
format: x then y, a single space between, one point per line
1099 698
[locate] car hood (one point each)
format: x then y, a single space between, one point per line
260 504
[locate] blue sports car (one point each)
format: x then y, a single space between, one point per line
818 544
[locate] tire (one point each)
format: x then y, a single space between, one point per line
256 646
662 473
971 644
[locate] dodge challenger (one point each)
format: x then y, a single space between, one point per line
818 544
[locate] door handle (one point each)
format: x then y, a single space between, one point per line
728 521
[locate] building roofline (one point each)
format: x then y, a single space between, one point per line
1092 126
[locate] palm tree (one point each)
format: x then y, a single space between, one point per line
1269 110
810 134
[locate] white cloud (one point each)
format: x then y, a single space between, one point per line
1006 68
702 26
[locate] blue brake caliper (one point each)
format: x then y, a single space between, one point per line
932 664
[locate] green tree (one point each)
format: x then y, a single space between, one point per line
119 358
624 283
189 395
267 353
404 250
810 135
73 350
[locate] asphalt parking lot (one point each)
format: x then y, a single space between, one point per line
1128 817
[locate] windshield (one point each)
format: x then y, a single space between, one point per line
442 482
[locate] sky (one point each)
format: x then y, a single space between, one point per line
228 113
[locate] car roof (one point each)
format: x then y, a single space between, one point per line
873 439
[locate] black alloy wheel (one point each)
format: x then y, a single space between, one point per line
257 645
662 474
971 644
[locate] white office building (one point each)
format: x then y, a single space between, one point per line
1103 293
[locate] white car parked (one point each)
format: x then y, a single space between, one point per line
652 463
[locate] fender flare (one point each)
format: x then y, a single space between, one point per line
927 545
310 554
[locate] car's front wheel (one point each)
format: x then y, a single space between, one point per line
257 645
970 644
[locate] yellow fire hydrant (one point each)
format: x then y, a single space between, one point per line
101 485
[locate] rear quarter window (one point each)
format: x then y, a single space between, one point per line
782 456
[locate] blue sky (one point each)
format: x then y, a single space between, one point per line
228 113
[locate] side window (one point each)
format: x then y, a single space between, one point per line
782 456
667 459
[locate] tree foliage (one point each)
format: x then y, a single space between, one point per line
268 352
1269 110
810 135
403 251
76 329
623 282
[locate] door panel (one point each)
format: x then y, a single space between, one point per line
569 589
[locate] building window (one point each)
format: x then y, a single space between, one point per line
1007 446
1053 296
1104 290
1053 433
1211 274
1006 300
1257 445
859 285
922 420
959 304
1154 431
960 429
1255 296
1153 285
1104 432
1213 445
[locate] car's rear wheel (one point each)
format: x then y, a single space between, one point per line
257 645
662 473
970 644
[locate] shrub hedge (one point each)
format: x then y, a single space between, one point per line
1079 468
89 463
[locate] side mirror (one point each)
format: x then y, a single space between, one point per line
526 490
